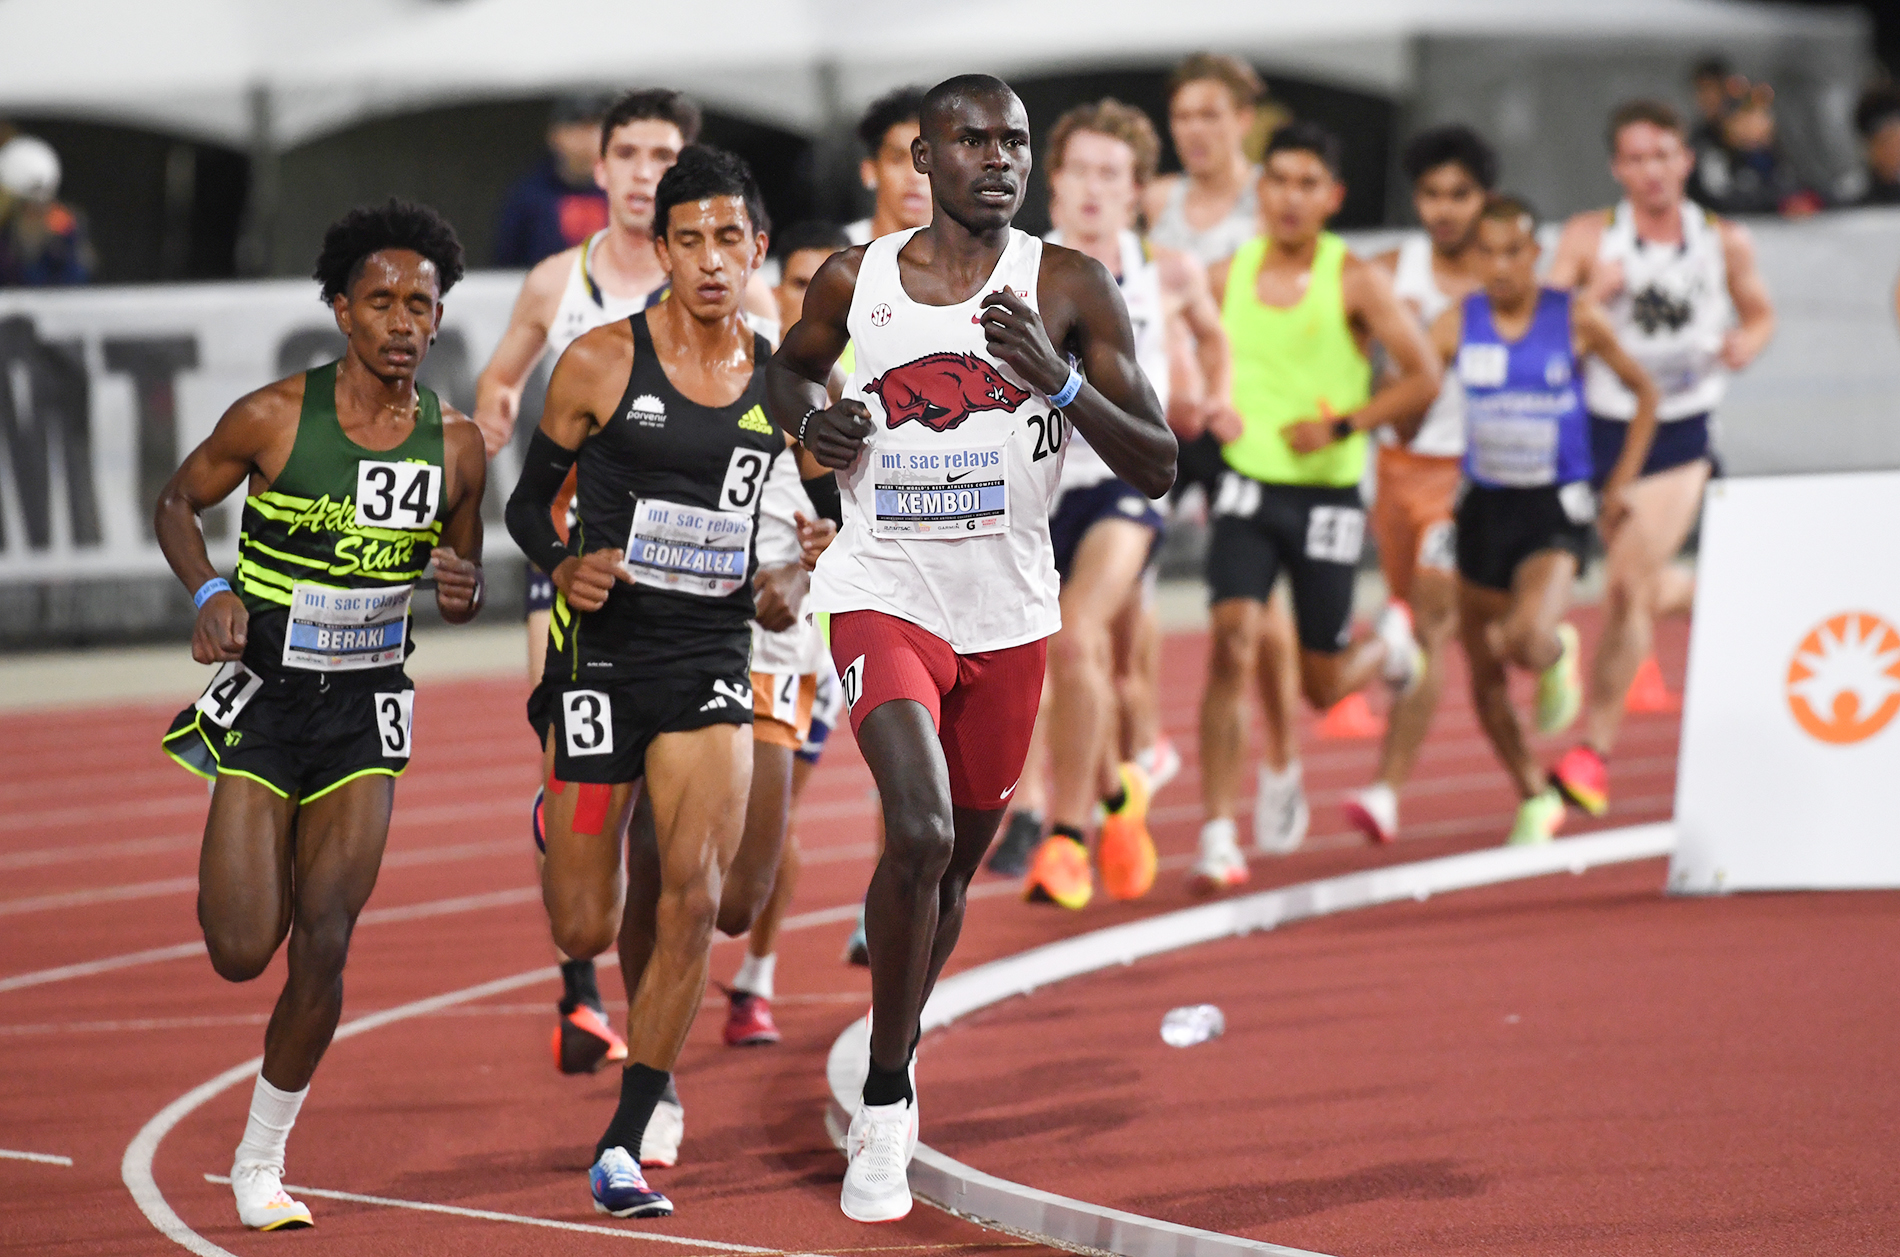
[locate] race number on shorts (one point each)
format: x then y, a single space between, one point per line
396 495
785 697
587 721
234 686
1335 534
852 681
395 717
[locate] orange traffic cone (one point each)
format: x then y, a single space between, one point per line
1351 717
1648 695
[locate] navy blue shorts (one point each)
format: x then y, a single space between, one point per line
1678 441
540 591
1079 510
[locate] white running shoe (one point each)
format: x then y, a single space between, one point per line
1161 762
262 1202
879 1146
1220 866
1280 812
1374 812
1404 661
660 1142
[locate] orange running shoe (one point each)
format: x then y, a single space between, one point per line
1059 874
1583 778
1126 850
583 1041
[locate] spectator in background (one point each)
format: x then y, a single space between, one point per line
1716 87
1743 172
1877 118
43 241
558 204
902 195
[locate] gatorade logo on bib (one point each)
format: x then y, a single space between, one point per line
940 391
1844 679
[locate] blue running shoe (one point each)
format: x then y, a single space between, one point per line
621 1190
857 948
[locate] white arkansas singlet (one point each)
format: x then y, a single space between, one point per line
946 511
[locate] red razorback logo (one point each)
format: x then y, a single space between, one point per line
942 390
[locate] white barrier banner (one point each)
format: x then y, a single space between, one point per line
1790 765
104 391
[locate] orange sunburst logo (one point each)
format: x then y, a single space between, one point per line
1844 679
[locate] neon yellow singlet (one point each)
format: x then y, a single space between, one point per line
1287 359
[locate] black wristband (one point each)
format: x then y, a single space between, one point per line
529 517
1342 428
825 499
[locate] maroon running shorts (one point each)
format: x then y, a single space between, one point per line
983 705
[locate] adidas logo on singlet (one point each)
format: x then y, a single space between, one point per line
647 410
754 420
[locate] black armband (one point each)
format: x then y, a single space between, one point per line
825 499
529 514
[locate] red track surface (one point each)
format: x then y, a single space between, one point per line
98 837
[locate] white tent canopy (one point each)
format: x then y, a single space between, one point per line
204 67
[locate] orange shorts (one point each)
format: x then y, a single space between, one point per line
1411 517
781 707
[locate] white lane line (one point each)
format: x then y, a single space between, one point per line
135 1168
489 1215
96 851
45 1158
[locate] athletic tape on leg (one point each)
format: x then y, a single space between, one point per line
590 809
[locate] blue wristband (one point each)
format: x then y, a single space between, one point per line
1069 390
216 585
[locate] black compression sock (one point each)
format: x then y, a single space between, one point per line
1116 803
578 985
640 1089
886 1086
1068 831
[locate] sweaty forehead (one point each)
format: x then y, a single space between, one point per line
402 269
709 213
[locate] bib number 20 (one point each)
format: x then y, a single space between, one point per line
1050 429
396 495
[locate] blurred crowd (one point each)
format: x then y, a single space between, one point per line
1741 168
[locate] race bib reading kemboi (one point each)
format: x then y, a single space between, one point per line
343 630
940 494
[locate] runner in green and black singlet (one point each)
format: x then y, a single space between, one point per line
359 479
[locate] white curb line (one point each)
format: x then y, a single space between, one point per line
1078 1225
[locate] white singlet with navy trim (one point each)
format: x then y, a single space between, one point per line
797 648
584 305
1218 241
1140 282
1442 435
946 511
1671 315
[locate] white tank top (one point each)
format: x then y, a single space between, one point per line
1211 244
1671 315
795 649
946 511
1140 281
584 306
1442 435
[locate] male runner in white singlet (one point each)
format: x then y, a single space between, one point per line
902 195
941 586
1451 170
1104 531
1683 292
614 274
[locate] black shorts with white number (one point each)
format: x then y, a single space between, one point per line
1314 533
602 728
300 734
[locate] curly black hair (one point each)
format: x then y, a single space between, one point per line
1308 137
903 104
704 171
1454 145
395 224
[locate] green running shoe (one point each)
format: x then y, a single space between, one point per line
1560 686
1538 819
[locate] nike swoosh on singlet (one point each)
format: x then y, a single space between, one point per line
960 475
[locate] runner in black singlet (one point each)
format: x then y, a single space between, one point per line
648 653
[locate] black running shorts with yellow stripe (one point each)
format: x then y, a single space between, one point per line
298 734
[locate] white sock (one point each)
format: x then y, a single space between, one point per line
1218 833
1288 776
273 1113
755 975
